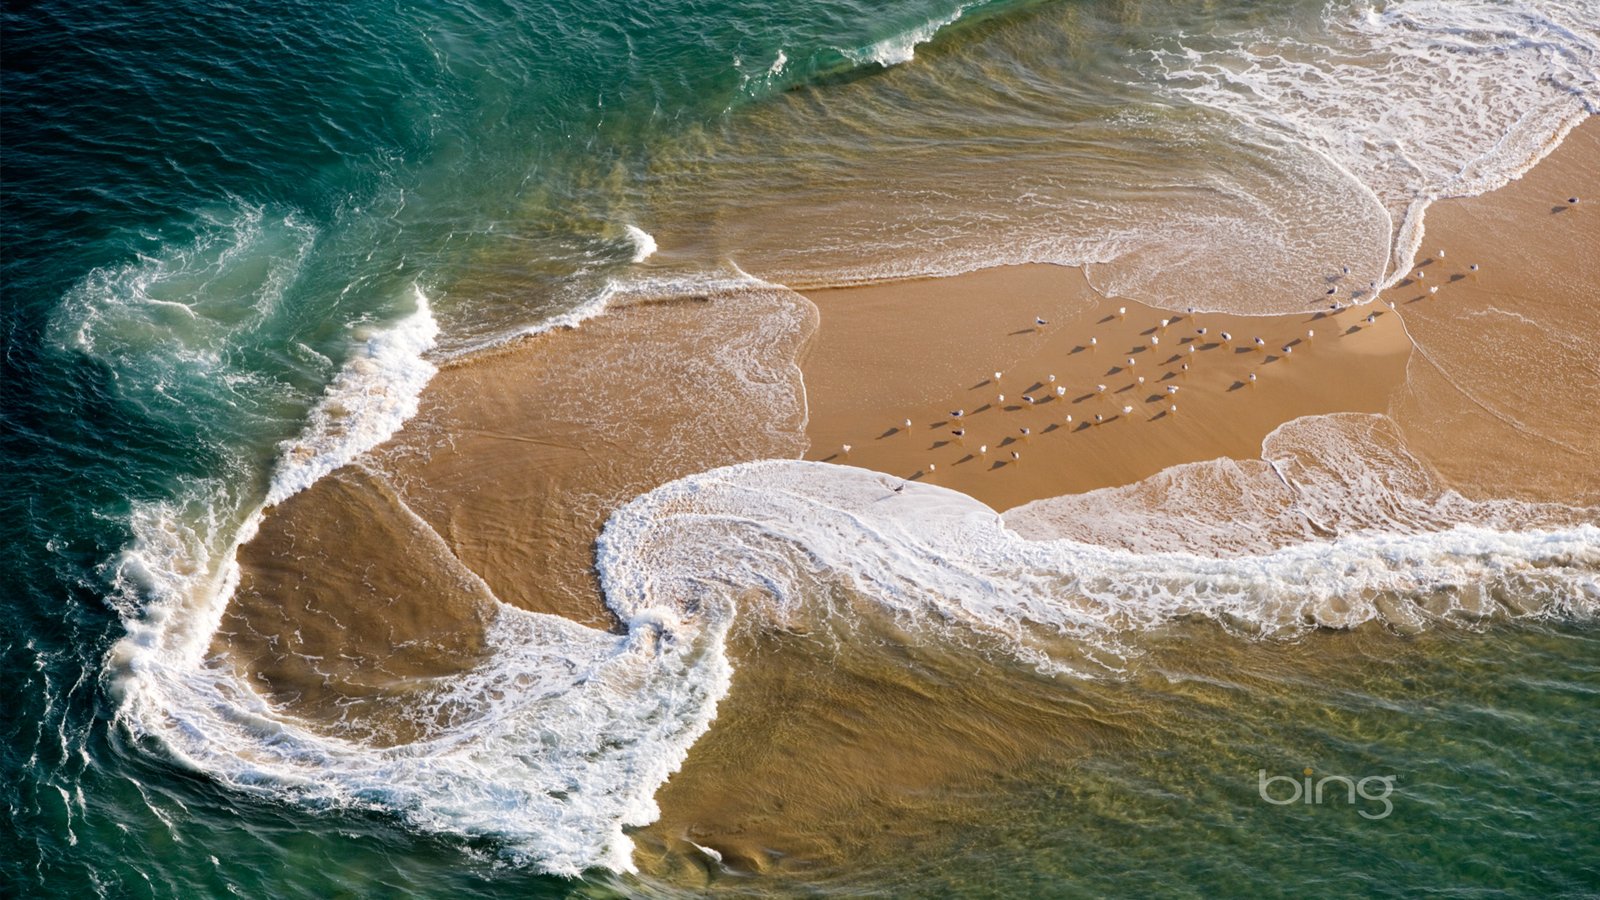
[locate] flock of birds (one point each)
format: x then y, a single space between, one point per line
1186 344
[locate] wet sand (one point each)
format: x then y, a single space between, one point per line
518 456
1503 393
920 350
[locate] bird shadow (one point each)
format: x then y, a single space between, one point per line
1022 331
1355 328
917 476
1159 415
1049 428
1078 349
1457 277
1106 319
937 444
1235 386
1558 208
965 459
984 383
998 465
1168 377
1007 442
890 433
1083 398
1082 426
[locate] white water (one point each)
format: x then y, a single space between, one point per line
902 47
644 246
562 738
1414 100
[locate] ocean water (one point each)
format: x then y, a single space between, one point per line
239 242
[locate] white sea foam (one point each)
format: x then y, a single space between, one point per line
644 246
374 393
1415 99
902 47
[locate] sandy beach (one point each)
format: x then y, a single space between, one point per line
500 485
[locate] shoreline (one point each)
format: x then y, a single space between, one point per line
497 489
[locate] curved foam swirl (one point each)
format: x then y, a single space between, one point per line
1416 100
931 554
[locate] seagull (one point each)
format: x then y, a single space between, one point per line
932 467
1101 388
847 448
1372 318
908 423
1123 310
1200 331
1002 398
1226 337
1473 267
1172 389
1098 418
1191 348
1421 274
959 432
1026 431
1154 341
1252 376
983 449
1040 322
1331 291
1287 349
1186 367
1174 409
997 377
1165 322
1094 342
1347 270
1132 362
1028 398
958 413
1573 200
1069 420
1051 379
1061 392
1141 379
1310 333
1260 343
1440 254
1127 410
1434 289
1015 456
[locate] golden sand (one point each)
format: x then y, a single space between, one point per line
518 457
921 350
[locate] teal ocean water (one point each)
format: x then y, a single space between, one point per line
239 240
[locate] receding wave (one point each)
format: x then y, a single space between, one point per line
1414 100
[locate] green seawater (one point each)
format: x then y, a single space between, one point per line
205 208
